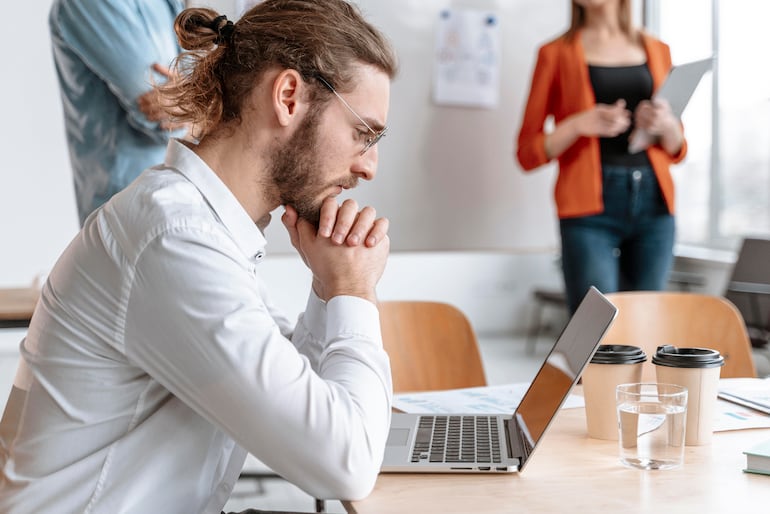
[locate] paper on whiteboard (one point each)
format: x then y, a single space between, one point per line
467 68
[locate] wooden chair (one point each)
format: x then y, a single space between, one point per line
651 318
431 346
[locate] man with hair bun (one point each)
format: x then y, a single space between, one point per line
155 360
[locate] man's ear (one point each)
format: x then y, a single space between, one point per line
287 96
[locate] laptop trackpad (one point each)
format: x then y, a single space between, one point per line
398 437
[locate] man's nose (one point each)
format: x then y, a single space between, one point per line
366 165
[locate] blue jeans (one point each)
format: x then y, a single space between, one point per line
627 247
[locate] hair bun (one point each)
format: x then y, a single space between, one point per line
224 30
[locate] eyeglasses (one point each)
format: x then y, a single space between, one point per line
370 140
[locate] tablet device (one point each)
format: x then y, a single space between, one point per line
676 90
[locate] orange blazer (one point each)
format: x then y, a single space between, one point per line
561 87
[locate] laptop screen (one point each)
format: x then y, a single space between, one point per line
562 368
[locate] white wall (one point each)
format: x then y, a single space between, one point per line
37 205
491 288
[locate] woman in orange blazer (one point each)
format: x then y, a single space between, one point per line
615 207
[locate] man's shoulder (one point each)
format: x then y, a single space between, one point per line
158 201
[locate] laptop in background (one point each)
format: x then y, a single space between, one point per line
504 443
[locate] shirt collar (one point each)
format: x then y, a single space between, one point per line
219 197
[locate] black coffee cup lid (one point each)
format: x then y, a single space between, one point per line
668 355
618 354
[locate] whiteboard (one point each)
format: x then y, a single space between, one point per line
447 176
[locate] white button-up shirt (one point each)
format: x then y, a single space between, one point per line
154 362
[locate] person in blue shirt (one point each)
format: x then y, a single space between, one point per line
108 54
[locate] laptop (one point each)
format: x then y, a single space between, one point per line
501 443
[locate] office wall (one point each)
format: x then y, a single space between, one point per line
37 206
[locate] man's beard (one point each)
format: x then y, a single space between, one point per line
295 170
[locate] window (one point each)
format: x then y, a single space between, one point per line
723 186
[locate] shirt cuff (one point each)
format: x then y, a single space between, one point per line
315 317
351 315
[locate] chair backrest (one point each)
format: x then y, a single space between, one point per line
431 346
649 319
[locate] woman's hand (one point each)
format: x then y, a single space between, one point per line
604 120
657 120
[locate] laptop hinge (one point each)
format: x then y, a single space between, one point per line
517 440
512 442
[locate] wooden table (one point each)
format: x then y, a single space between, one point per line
17 306
570 472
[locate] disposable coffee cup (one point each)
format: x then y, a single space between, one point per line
611 365
698 370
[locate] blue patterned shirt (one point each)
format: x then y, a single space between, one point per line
103 51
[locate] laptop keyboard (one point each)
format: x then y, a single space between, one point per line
457 439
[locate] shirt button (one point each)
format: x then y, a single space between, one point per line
636 175
259 256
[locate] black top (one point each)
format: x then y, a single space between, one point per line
611 83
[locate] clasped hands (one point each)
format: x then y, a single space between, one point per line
652 116
348 251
